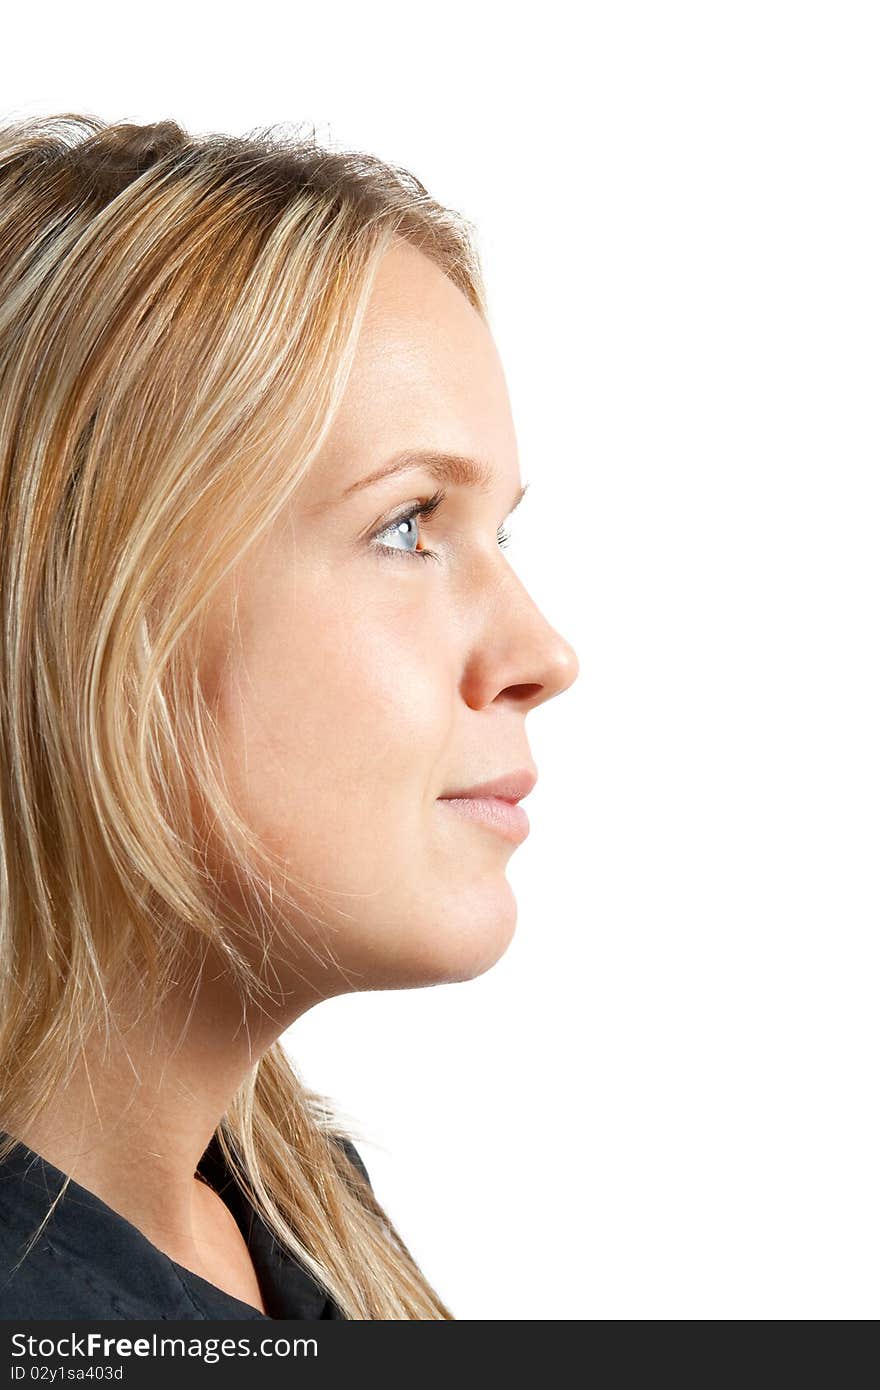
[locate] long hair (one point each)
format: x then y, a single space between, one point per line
178 318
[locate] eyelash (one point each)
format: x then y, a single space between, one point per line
424 508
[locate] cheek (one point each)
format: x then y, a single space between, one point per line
337 729
339 722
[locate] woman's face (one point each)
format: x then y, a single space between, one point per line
367 682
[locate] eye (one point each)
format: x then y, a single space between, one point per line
403 528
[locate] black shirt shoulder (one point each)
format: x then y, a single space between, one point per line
88 1261
345 1143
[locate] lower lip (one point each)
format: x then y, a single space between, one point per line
509 819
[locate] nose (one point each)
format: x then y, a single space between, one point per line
556 667
522 656
566 666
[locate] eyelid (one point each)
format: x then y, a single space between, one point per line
424 507
421 507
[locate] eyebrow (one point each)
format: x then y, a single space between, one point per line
457 469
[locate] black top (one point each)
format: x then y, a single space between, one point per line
90 1262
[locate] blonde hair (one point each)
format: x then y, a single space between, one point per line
178 318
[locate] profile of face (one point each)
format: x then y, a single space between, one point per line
370 678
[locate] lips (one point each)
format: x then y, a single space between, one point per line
493 812
493 804
511 787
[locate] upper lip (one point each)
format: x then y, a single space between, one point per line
511 786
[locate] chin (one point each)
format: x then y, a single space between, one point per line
468 937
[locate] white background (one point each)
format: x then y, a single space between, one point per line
662 1102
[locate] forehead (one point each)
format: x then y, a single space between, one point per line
426 376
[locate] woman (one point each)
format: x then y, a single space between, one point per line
261 648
